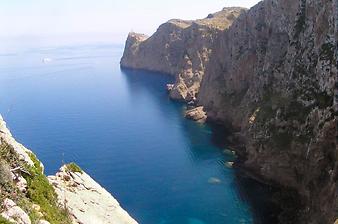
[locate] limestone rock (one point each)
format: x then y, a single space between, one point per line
14 213
196 114
43 222
269 77
86 200
6 136
20 183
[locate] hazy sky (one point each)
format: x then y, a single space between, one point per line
66 17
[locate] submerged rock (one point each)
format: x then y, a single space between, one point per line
170 87
214 180
229 164
86 200
229 152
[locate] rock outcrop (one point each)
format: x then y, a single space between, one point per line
196 114
17 166
270 78
86 200
7 137
14 213
27 197
181 48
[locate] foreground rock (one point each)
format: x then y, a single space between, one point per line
14 213
27 197
196 114
179 47
7 137
16 164
86 200
275 89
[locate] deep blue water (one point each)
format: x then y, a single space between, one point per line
122 129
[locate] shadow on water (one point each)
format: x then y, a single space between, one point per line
270 204
260 197
257 195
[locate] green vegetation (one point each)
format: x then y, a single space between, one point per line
301 19
73 167
289 109
234 98
269 105
324 100
282 140
37 163
27 205
297 111
327 52
6 183
39 190
4 221
8 154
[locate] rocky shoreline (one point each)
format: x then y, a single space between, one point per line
268 75
71 192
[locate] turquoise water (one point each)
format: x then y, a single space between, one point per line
121 127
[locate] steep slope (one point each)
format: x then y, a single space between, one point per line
269 77
25 194
71 196
180 48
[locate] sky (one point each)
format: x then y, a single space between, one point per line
110 18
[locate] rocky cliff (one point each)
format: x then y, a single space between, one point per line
181 48
71 196
86 200
270 78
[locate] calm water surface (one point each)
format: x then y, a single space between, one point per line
121 128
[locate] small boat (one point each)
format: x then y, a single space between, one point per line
46 60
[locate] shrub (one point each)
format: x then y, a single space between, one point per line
73 167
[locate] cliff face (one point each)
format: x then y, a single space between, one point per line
180 48
270 77
86 200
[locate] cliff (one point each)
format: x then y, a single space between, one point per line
180 48
270 78
27 196
86 200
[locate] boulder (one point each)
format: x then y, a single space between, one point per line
14 213
86 200
196 114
